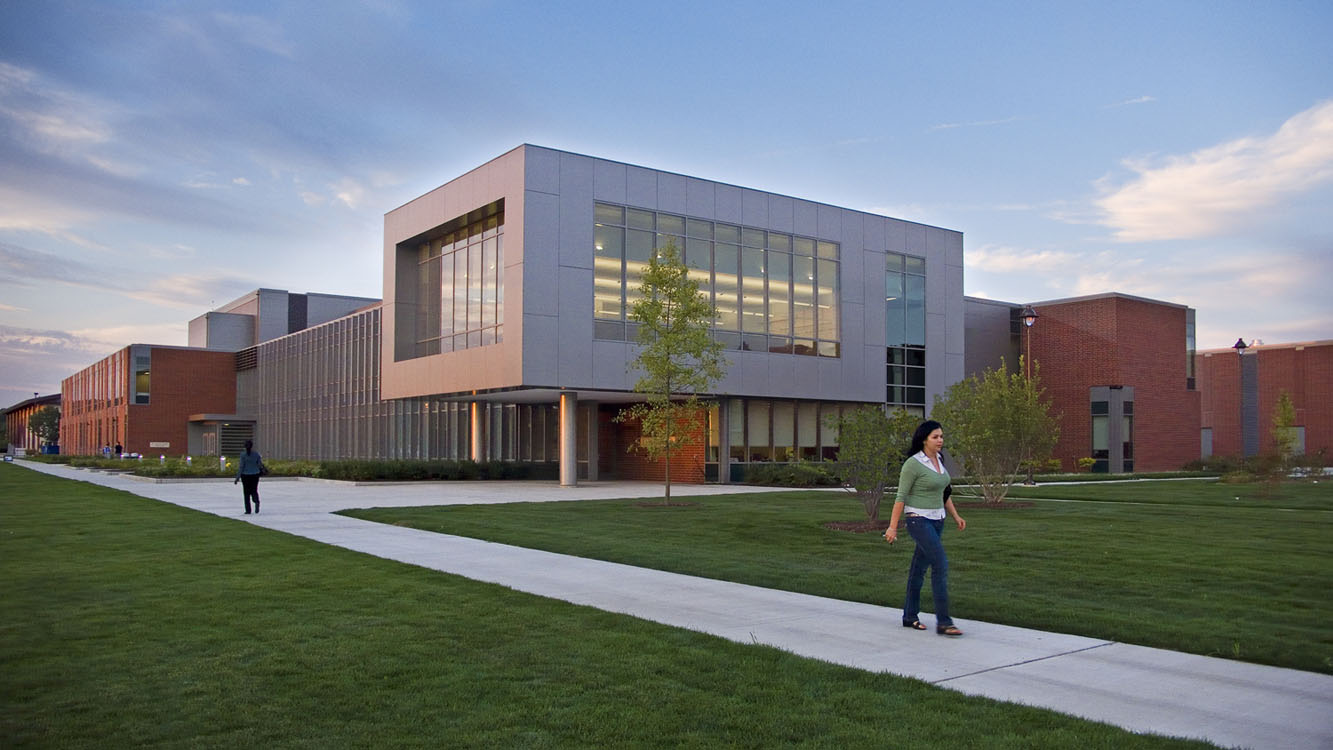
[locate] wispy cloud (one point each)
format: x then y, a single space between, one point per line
257 32
974 124
1214 189
1000 259
1128 102
11 308
21 266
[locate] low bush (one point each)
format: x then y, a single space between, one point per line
799 474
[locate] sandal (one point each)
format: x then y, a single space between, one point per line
914 625
947 630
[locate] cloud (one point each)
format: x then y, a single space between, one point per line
1000 259
976 124
11 308
1215 189
257 32
240 181
1128 102
183 291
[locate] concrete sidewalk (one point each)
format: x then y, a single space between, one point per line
1230 703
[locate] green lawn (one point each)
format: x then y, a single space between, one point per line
128 622
1303 495
1191 571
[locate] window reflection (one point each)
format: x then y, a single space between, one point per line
762 284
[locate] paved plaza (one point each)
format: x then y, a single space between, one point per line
1230 703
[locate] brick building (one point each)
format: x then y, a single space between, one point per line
1118 370
20 438
1303 370
144 397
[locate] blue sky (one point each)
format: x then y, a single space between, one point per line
160 158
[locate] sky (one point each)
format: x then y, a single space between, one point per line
160 158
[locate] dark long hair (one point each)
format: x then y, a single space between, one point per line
250 444
923 432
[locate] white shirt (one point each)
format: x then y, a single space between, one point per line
933 514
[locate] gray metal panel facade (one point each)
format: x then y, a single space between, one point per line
858 375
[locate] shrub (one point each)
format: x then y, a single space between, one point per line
1086 464
799 474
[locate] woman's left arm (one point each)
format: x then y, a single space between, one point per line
953 511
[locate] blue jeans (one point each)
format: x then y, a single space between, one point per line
929 554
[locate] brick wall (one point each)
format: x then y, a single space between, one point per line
1115 340
183 382
1305 371
687 466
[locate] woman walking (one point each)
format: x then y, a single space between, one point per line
249 467
923 497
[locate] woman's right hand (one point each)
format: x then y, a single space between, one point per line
891 534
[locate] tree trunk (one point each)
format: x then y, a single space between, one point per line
667 501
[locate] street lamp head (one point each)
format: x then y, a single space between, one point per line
1029 316
1239 346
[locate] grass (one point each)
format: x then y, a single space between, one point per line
1190 571
125 621
1260 496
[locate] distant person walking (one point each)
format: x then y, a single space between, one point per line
923 497
249 467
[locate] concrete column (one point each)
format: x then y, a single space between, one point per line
723 442
592 442
477 411
569 439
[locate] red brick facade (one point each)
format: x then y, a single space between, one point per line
1111 340
617 461
99 408
1303 370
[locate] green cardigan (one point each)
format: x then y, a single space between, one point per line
920 486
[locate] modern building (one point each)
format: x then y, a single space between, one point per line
510 284
19 438
154 399
1239 394
1118 369
503 333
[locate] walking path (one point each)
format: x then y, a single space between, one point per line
1230 703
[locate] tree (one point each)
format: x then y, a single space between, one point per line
1284 425
994 424
45 424
872 445
678 358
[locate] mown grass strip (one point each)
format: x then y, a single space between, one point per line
127 622
1243 581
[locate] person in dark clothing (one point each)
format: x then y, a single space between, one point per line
249 467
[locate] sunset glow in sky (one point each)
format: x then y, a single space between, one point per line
159 158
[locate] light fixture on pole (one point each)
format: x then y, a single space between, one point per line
1029 317
1240 348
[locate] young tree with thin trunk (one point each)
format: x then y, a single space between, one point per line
678 358
996 423
872 445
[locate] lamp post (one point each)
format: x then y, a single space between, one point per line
1029 317
1240 348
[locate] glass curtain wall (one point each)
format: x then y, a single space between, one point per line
772 291
460 285
905 314
761 430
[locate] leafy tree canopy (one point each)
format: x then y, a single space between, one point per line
994 424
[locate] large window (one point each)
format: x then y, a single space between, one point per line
759 430
772 291
459 290
905 333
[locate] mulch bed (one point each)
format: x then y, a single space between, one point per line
660 504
